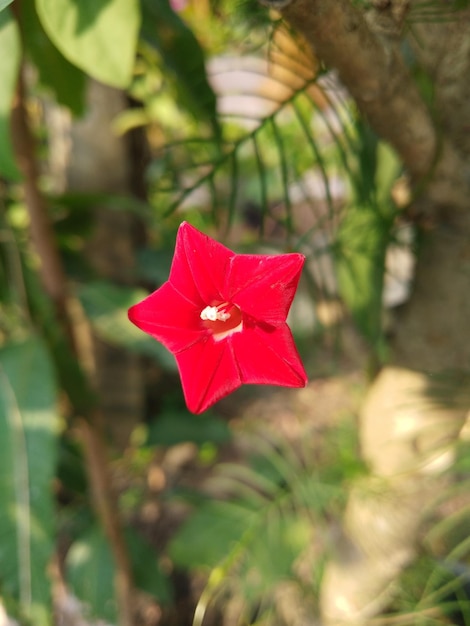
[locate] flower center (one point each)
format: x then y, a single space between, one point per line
222 319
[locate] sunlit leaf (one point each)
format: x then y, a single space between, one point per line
183 58
360 262
4 3
388 170
98 36
9 66
63 78
28 448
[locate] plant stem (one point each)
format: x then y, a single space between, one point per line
55 284
106 507
51 270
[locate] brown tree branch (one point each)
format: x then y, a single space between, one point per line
52 272
54 280
376 76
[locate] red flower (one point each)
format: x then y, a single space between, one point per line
223 316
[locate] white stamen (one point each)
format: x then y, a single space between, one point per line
212 314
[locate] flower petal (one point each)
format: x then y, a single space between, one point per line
199 266
169 318
264 286
266 355
209 372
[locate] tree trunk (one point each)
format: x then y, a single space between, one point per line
415 409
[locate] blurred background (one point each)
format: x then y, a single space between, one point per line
344 502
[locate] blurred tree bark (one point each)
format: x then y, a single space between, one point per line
407 425
93 159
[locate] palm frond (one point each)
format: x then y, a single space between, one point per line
435 11
255 97
266 518
297 169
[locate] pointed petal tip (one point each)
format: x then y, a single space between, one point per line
298 258
184 229
187 227
300 373
304 380
201 405
208 372
197 409
206 403
132 313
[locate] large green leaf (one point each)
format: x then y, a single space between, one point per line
55 72
98 36
9 66
28 447
183 57
90 572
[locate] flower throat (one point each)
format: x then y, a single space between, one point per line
222 319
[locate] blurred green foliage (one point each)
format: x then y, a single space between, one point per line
294 169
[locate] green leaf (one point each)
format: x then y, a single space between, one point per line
4 3
224 535
171 428
182 55
277 546
56 73
69 373
9 67
90 572
388 170
28 449
148 574
98 36
360 262
206 537
154 265
106 305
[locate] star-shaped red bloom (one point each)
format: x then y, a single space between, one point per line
223 316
